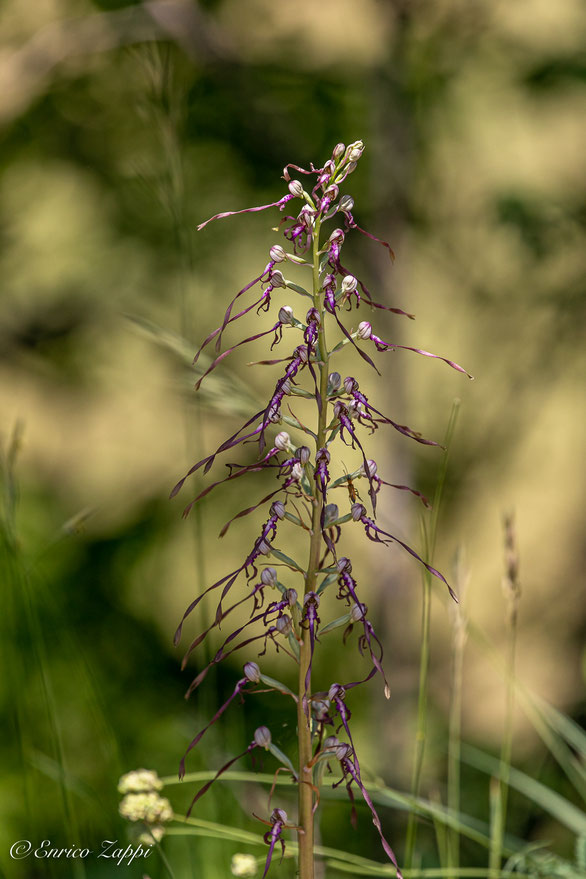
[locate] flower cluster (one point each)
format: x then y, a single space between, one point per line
306 486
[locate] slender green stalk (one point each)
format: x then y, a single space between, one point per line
501 785
421 730
305 834
455 720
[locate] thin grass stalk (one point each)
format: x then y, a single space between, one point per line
430 537
512 593
455 718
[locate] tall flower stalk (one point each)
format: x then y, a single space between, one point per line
280 616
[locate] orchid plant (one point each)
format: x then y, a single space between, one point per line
281 614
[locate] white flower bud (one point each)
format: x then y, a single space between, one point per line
286 314
291 596
297 472
358 511
303 454
338 150
344 564
342 751
349 284
320 708
252 672
336 692
351 166
283 624
354 151
279 815
296 188
364 330
334 381
372 468
268 576
346 204
277 279
278 509
350 384
282 441
358 612
264 547
262 736
331 742
302 353
277 253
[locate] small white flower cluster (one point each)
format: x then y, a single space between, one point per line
142 802
139 780
148 807
243 865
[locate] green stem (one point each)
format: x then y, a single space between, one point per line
420 734
305 834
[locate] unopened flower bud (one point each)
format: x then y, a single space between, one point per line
342 751
364 330
372 468
358 612
358 511
334 381
264 547
296 188
277 253
303 454
297 471
268 576
277 279
262 736
286 386
331 513
349 284
278 509
320 708
282 441
350 167
302 353
346 204
343 564
336 692
354 151
338 150
283 624
291 596
350 384
274 415
331 742
286 314
252 672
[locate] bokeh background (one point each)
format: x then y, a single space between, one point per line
124 126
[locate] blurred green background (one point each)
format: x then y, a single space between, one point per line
124 126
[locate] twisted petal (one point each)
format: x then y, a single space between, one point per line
275 204
237 689
226 766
